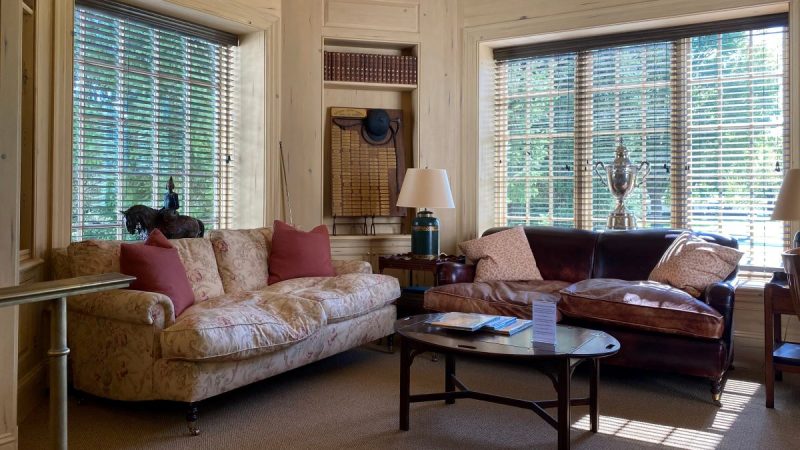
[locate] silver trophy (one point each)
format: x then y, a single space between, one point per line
621 179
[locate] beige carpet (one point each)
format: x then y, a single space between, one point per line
351 401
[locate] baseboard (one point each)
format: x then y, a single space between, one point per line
32 390
8 441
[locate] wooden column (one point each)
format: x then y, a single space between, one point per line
10 93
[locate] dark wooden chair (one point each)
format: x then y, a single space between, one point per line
791 264
787 355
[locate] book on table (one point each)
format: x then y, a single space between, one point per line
474 322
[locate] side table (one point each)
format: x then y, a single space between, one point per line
411 302
779 355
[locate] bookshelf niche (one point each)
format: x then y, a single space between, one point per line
369 74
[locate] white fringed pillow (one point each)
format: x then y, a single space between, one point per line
503 256
691 264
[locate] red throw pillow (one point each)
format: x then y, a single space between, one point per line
157 268
296 253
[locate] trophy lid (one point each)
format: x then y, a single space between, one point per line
622 158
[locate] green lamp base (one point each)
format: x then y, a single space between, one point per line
425 235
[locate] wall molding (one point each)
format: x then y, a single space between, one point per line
32 389
8 440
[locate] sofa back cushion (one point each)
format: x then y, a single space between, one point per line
93 257
563 254
242 257
200 264
632 254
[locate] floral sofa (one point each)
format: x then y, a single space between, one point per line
128 345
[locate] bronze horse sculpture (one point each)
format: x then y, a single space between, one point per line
141 220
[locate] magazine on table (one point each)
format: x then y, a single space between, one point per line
513 328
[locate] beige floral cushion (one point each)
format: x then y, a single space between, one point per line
344 296
503 256
241 325
200 264
94 257
242 258
692 264
342 267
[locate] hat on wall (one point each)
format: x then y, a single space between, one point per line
376 124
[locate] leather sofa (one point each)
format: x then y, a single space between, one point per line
567 256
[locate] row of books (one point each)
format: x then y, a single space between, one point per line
370 68
504 325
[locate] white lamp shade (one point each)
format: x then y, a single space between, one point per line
787 205
425 188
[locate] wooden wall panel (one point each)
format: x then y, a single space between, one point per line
302 111
373 15
439 109
10 92
251 175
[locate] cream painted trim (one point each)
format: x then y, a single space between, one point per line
32 389
61 189
8 441
588 22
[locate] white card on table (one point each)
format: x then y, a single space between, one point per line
544 320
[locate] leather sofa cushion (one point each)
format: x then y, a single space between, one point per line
240 326
506 298
344 296
645 305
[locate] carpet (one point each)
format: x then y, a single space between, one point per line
351 401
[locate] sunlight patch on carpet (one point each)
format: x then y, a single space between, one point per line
735 397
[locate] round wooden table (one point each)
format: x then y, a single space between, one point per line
573 346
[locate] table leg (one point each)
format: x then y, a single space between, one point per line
769 336
594 379
449 373
405 382
564 373
778 325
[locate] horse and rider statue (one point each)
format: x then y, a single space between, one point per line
141 220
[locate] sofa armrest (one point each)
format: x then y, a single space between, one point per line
721 296
454 272
342 267
125 305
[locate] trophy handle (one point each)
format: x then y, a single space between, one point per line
602 177
646 166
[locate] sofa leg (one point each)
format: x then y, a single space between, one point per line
192 414
716 390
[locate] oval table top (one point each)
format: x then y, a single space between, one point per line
571 342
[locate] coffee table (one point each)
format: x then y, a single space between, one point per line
574 345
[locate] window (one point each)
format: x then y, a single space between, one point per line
706 111
153 98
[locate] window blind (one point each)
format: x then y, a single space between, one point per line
706 110
150 101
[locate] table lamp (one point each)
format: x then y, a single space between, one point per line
787 205
425 188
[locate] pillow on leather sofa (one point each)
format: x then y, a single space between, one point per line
692 264
503 256
645 305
